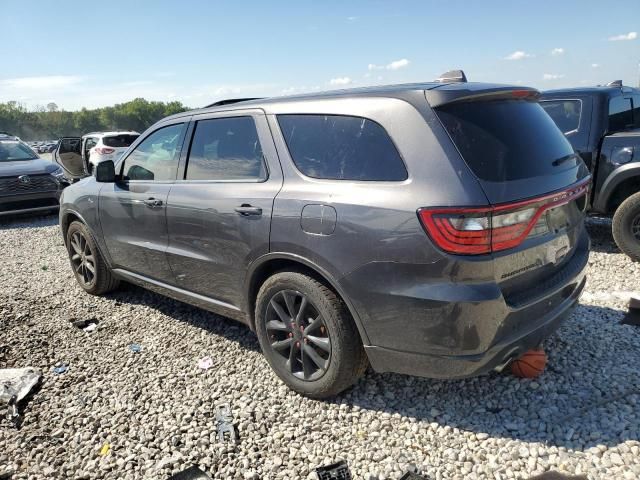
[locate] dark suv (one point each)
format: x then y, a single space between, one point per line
431 229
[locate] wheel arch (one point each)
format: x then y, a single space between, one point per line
622 190
270 264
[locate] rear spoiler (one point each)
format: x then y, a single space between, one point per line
470 92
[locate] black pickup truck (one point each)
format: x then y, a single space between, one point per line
603 125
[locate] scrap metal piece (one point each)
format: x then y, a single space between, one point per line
15 385
191 473
224 423
335 471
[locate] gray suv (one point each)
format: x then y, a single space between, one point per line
431 229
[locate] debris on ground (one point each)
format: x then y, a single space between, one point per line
191 473
87 324
335 471
60 369
224 423
205 363
135 348
412 476
15 385
104 451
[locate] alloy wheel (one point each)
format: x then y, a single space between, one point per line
297 333
82 259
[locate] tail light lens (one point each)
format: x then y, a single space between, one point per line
476 231
104 150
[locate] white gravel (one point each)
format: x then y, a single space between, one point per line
156 408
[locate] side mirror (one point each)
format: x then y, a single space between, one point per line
106 172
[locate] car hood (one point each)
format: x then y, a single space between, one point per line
26 167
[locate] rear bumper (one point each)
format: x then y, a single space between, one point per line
461 366
458 329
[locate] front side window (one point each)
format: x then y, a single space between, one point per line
14 150
156 157
339 147
620 115
226 149
565 113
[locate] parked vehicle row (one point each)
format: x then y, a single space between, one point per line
431 229
603 126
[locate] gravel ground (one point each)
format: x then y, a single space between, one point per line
155 408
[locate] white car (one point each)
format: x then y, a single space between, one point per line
100 146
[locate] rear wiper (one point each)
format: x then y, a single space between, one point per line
560 160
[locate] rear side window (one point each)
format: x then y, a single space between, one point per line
506 140
565 113
339 147
119 141
226 149
620 114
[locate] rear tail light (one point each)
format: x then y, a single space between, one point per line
475 231
104 150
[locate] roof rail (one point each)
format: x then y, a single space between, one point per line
455 76
615 83
229 101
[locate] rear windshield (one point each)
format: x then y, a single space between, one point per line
13 150
119 140
505 140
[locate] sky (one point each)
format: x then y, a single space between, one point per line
79 54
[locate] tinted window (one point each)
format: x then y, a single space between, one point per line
565 113
507 140
118 141
620 116
156 158
226 149
636 111
13 150
341 148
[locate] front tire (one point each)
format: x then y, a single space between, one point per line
308 336
626 226
89 268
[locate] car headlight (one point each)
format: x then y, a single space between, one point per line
58 173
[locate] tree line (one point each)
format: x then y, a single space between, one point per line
51 123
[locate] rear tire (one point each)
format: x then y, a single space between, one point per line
323 333
626 226
88 265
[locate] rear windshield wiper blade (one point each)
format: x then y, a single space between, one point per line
560 160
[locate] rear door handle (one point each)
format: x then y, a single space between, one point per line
247 210
153 202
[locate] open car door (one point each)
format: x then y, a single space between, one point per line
69 156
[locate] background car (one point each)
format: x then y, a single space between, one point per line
27 183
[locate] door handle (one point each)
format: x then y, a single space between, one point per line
246 210
152 202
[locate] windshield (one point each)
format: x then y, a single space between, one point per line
13 150
118 141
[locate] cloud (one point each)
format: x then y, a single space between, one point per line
595 65
628 36
552 76
395 65
40 83
518 55
557 51
340 81
352 19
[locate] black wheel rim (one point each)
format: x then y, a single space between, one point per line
82 259
298 335
635 227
